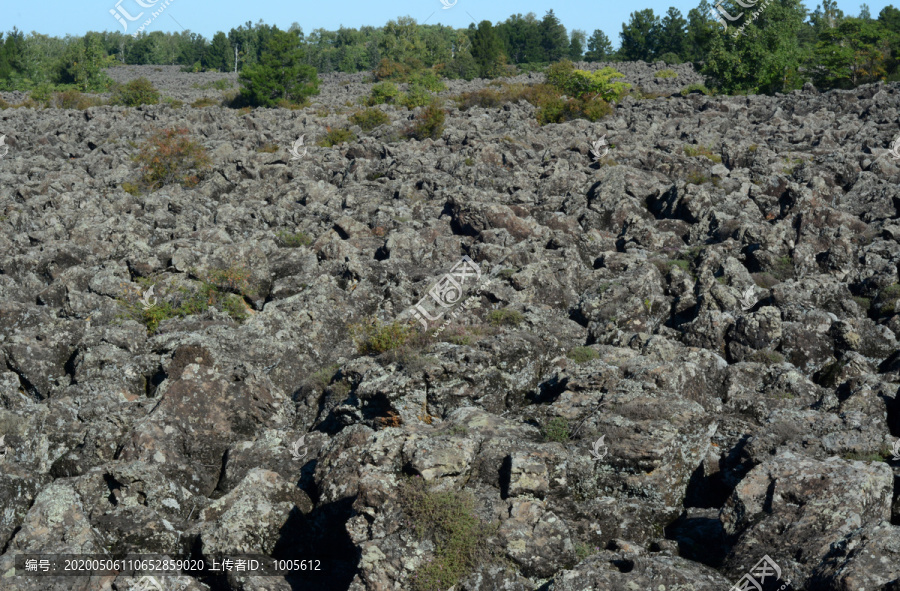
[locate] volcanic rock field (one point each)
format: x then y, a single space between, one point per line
716 297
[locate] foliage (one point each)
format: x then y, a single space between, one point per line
390 70
505 317
695 87
187 301
204 102
169 156
280 73
293 240
582 354
383 92
461 539
135 93
83 64
487 50
557 429
766 58
587 85
369 119
640 36
704 151
666 74
429 123
373 337
336 136
599 47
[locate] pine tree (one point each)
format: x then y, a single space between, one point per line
576 45
672 34
554 39
219 55
599 47
640 36
486 50
280 73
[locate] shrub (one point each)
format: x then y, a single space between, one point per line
390 70
427 80
557 430
42 95
558 74
295 240
505 317
336 136
696 87
461 540
417 96
280 73
170 156
369 119
267 148
698 151
73 99
374 337
587 85
666 74
204 102
429 123
135 93
582 354
485 98
670 58
187 301
174 103
384 92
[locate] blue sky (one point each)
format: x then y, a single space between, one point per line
58 18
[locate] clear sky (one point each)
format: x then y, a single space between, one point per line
60 18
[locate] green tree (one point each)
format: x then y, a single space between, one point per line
219 55
890 18
12 55
640 36
864 12
599 47
855 52
280 73
402 42
766 58
486 50
521 37
554 39
672 34
576 45
701 29
83 64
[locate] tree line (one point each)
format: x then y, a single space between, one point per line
774 47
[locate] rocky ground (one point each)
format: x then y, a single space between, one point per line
717 298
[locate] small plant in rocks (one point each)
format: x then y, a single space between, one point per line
169 157
373 337
447 518
557 429
135 93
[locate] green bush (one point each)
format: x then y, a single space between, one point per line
382 93
336 136
557 430
429 123
293 240
505 317
582 354
390 70
696 87
670 58
587 85
212 291
169 156
461 540
135 93
374 337
416 96
427 80
369 119
697 151
666 74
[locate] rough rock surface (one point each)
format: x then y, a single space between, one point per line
681 358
